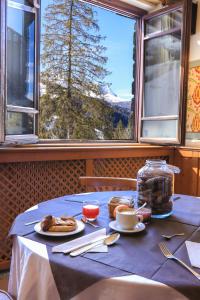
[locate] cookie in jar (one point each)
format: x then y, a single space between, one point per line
155 186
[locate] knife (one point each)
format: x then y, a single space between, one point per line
76 248
33 222
86 248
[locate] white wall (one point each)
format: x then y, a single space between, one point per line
195 39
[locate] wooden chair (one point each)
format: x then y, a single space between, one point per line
5 296
98 184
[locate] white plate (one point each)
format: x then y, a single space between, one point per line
80 227
139 227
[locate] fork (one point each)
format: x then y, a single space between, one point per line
168 237
169 255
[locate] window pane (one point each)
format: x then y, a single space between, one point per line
164 22
20 57
159 129
87 89
19 123
162 75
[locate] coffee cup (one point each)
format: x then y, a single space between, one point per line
127 218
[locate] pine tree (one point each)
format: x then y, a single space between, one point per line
73 66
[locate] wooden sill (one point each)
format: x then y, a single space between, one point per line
45 152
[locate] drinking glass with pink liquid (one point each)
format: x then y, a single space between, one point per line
90 209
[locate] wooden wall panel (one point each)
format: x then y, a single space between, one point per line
121 167
23 185
187 182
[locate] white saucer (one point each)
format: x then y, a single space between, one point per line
139 227
80 227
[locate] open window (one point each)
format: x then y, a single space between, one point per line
87 72
19 70
164 76
154 110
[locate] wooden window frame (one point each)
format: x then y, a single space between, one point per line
130 11
25 138
186 6
118 7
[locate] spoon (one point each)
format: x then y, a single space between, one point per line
168 237
84 220
108 240
140 208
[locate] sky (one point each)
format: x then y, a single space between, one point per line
119 42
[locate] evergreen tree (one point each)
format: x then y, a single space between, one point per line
73 66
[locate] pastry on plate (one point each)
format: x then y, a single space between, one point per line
58 224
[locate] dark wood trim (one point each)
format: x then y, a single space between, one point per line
20 154
164 10
186 33
2 68
119 7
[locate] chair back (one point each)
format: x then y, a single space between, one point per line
98 184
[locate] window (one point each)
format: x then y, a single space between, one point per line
21 70
89 71
162 98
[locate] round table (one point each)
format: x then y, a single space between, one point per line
31 275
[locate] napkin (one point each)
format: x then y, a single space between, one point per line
193 250
82 241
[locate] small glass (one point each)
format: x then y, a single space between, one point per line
90 209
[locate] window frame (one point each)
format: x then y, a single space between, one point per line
119 7
126 10
24 138
186 7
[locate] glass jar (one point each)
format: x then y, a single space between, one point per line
155 186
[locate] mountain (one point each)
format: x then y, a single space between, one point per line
109 96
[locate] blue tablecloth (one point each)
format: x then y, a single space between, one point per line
133 254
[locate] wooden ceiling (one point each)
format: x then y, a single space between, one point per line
144 4
154 2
